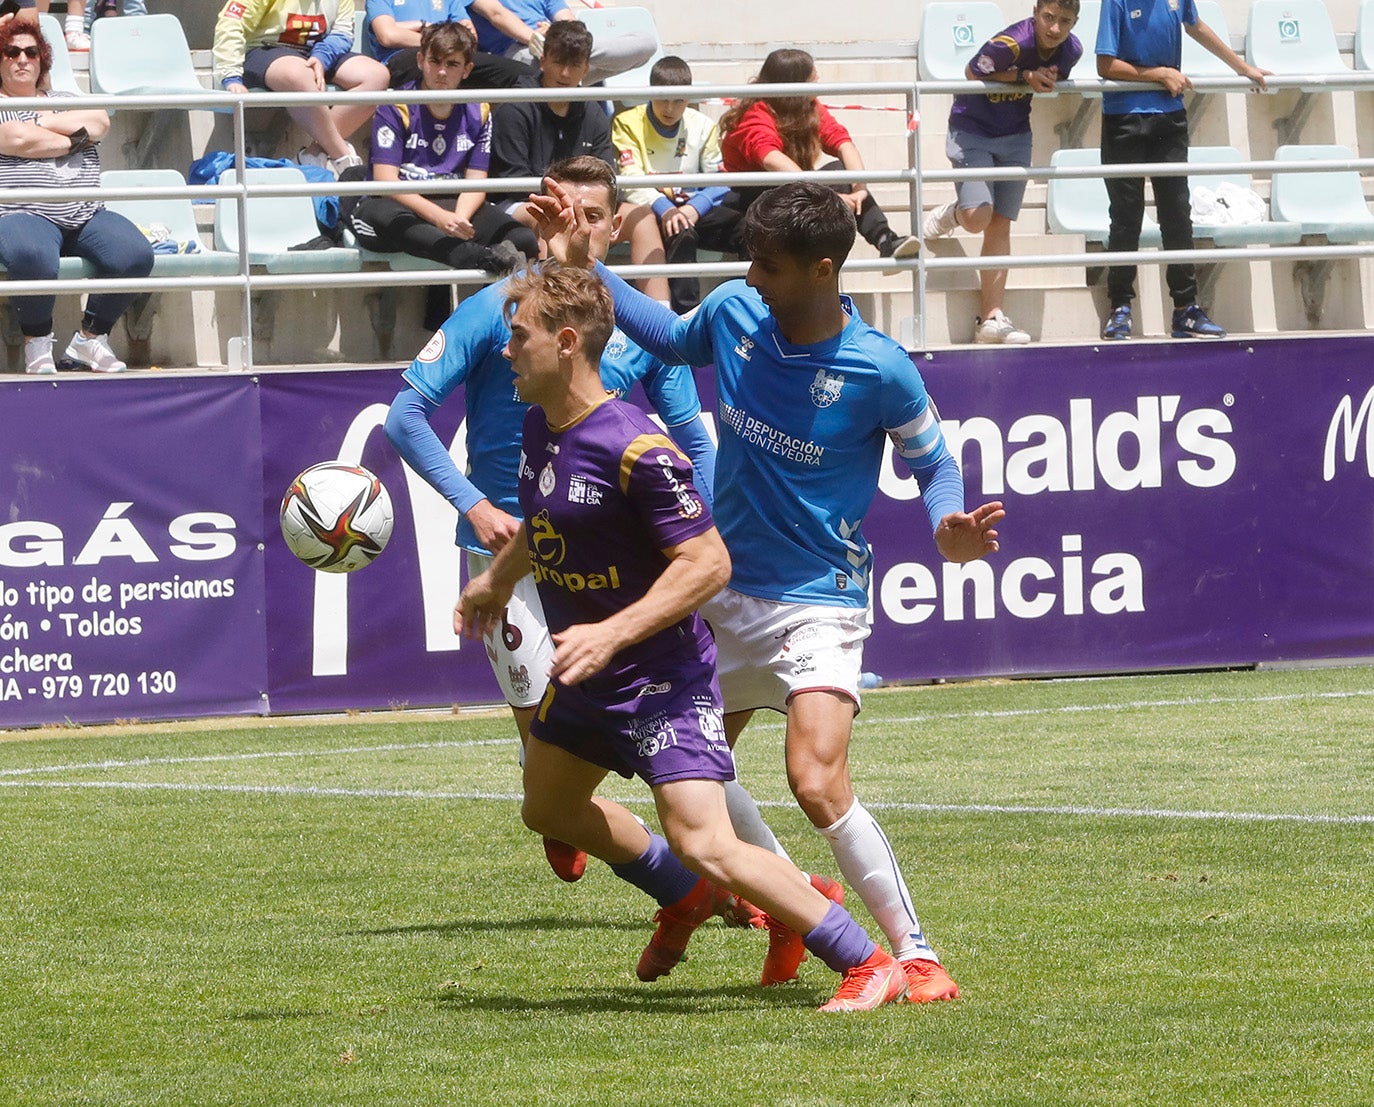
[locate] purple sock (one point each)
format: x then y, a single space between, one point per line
839 941
658 872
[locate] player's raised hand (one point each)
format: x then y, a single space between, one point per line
969 535
562 224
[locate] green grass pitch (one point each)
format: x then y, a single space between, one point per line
1152 890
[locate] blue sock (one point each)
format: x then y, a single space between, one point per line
839 941
658 872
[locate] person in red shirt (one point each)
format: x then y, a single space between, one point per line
793 133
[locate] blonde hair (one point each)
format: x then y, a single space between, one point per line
566 298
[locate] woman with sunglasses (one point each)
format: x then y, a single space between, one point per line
55 149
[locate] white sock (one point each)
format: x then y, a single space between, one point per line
865 858
748 822
75 21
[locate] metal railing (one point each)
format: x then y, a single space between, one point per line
914 177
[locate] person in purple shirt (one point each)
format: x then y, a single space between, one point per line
439 142
624 550
993 129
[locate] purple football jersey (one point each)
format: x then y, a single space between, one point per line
423 147
602 499
1008 113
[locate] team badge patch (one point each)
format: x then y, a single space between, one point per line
825 389
434 348
546 479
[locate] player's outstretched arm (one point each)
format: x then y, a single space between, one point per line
697 569
484 598
968 535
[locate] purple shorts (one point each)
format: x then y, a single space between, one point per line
661 722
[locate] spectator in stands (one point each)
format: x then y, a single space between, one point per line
519 29
298 46
667 136
56 149
78 22
993 131
526 138
439 142
1145 43
393 31
790 134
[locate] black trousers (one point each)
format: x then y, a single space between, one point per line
1148 137
388 226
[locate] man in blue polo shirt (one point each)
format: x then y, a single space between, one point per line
1142 40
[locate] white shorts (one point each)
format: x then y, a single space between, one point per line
769 651
520 650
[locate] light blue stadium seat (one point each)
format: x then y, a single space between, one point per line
275 224
1268 233
609 22
1289 37
1198 61
178 216
60 76
1364 36
1080 206
951 33
1329 203
142 54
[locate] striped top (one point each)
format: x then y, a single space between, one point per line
69 171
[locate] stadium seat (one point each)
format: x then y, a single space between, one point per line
1198 61
1364 36
1268 233
60 76
275 224
1085 30
1330 204
1292 37
142 54
608 22
1079 205
951 33
178 216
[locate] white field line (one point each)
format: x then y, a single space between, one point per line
313 791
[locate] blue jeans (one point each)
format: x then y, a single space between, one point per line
126 7
31 248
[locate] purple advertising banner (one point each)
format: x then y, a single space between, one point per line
1170 505
131 582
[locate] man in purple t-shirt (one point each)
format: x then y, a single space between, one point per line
439 142
623 550
993 129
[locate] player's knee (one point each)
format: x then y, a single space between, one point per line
819 791
536 816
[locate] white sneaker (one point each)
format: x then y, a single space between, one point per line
940 222
77 40
38 355
93 354
998 329
348 161
306 156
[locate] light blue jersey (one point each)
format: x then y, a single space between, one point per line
466 351
407 11
801 438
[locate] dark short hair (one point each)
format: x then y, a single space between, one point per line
568 42
447 38
16 27
803 220
586 170
670 70
1067 5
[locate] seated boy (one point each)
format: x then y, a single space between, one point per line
993 130
667 224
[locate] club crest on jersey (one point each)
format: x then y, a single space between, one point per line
546 479
519 681
825 389
616 345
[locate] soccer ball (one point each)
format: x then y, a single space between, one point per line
336 517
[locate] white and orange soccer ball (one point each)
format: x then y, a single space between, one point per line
336 517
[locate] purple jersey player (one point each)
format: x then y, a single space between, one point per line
623 550
988 130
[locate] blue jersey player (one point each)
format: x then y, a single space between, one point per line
623 550
808 395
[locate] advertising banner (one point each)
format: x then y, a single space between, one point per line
1170 505
131 582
